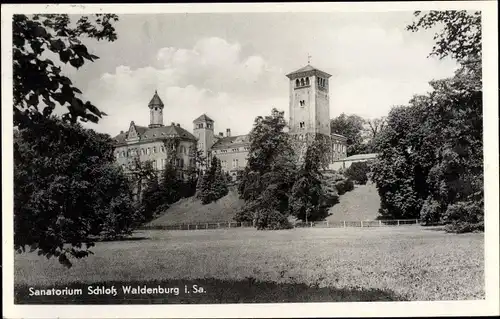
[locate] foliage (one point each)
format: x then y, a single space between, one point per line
308 197
358 172
37 77
431 163
67 190
460 36
213 185
350 126
269 175
344 186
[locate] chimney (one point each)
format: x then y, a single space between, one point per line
228 132
221 134
173 124
121 132
178 125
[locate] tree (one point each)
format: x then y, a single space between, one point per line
431 151
358 172
350 126
269 175
36 77
213 185
460 37
68 191
308 200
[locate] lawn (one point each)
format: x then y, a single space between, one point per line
246 265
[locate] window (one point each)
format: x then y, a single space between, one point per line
162 148
148 151
118 155
181 162
302 125
302 102
235 163
154 149
307 81
154 164
297 83
200 125
235 150
302 82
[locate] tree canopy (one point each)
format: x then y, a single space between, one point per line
37 79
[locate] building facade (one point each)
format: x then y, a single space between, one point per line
309 110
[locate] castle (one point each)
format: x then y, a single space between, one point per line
309 111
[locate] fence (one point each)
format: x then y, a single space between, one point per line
321 224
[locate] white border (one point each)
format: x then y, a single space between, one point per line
489 306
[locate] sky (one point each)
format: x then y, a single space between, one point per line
232 66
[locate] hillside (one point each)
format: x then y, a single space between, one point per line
362 203
190 210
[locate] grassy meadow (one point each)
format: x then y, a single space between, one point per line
240 265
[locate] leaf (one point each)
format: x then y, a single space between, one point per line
64 55
77 62
77 91
57 45
64 261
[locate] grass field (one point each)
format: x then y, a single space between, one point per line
241 265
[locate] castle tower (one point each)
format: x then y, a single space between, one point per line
309 103
155 111
309 107
204 131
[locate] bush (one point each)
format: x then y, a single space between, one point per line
358 172
344 186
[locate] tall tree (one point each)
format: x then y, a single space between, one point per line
308 198
431 151
38 82
269 175
68 190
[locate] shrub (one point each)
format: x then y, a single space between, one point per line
344 186
358 172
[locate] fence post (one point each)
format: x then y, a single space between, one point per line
180 227
196 227
188 226
398 222
228 224
218 225
311 224
380 223
326 223
344 223
361 224
207 226
416 221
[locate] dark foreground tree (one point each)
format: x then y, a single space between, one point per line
68 191
269 175
38 82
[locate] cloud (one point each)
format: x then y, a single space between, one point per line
213 77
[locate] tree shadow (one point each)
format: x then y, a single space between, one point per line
203 291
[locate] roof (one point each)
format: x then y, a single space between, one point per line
339 136
308 68
155 101
203 118
228 141
147 133
360 156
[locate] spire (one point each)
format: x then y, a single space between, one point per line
155 101
309 59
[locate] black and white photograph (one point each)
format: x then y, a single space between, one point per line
243 155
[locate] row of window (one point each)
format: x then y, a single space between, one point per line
246 149
305 82
234 163
162 163
150 150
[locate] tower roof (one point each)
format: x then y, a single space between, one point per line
155 101
203 118
308 69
